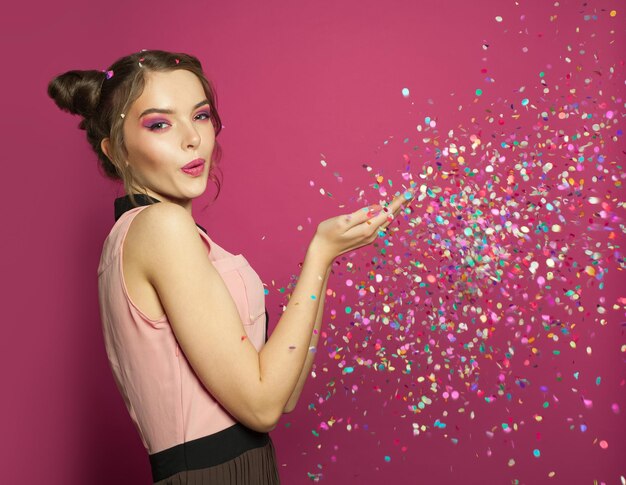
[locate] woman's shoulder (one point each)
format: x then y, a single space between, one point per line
156 231
157 220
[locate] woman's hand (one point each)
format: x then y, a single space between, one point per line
347 232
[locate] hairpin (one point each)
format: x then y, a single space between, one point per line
109 74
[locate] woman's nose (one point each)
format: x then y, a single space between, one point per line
191 136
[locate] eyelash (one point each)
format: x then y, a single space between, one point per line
153 125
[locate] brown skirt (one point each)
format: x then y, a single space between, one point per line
253 467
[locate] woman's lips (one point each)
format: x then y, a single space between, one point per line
194 170
194 163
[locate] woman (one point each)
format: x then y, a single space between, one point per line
184 320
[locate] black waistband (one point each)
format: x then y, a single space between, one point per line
204 452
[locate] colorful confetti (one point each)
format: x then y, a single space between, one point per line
486 292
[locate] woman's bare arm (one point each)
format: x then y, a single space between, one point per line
312 349
253 386
293 399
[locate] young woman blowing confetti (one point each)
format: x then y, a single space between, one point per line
183 319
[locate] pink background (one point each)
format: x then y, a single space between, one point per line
296 82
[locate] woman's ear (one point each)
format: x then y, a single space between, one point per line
104 146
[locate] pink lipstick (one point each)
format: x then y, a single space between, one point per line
194 168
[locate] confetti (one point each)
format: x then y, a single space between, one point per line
488 293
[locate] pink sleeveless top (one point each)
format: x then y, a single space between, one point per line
166 400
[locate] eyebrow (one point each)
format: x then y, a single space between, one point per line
170 111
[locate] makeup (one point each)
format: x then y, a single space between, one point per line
195 167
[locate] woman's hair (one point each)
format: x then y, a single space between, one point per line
101 97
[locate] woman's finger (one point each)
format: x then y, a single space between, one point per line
391 218
361 215
392 209
374 224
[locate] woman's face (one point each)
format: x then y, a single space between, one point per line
167 127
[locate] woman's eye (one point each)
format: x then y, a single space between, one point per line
156 126
160 125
